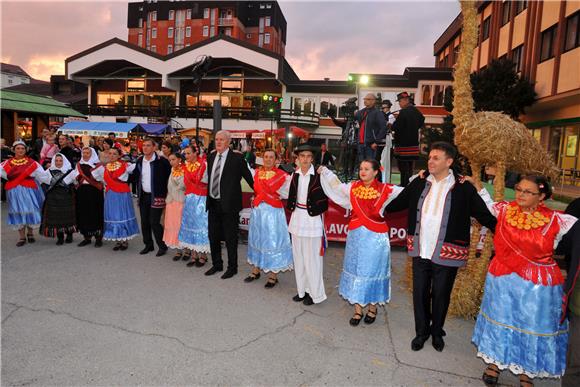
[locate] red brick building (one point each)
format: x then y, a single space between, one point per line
168 26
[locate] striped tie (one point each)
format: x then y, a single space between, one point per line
215 183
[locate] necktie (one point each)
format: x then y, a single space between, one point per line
215 184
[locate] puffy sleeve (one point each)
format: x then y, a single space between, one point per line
73 175
3 174
336 190
493 207
42 175
128 171
285 189
204 179
99 173
565 221
396 190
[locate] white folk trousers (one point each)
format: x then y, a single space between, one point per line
308 266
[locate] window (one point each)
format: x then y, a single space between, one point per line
267 22
170 32
205 31
188 14
269 6
140 22
154 33
548 39
266 38
136 85
10 81
486 24
154 16
206 13
228 32
505 12
248 36
517 57
188 32
140 39
520 6
212 32
171 14
154 48
231 86
262 6
169 49
572 36
187 44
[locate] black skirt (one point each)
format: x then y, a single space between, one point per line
58 212
90 210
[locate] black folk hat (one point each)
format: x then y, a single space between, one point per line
387 102
304 148
402 95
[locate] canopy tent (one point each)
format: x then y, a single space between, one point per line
157 129
35 104
81 128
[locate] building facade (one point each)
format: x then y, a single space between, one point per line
542 39
165 27
12 75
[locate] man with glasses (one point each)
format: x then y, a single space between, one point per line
372 128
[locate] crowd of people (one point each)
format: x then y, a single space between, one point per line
190 200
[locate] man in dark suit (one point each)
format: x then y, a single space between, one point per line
324 157
151 174
225 169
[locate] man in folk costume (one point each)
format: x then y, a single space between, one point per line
307 201
440 210
406 131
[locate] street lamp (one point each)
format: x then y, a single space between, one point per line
364 79
199 70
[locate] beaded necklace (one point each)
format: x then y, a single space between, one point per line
112 167
18 162
177 172
192 167
362 192
265 174
521 220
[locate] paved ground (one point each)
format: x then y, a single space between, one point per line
87 316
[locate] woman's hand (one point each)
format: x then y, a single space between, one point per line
470 179
321 169
421 174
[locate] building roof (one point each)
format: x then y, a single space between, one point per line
13 69
46 89
30 103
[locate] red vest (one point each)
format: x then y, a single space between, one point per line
192 175
366 204
266 186
112 179
20 174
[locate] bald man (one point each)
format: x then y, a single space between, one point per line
372 128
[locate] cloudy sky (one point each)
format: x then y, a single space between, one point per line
325 38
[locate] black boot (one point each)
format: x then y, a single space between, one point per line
59 238
69 237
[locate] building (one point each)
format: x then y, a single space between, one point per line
12 75
165 27
59 88
542 39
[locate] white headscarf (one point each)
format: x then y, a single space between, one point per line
66 166
94 157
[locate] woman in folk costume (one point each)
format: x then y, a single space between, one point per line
269 247
366 274
520 326
58 212
25 198
174 205
193 233
89 197
120 221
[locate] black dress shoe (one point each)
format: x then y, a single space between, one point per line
213 270
161 252
99 243
69 238
438 343
252 277
146 250
60 241
297 298
229 273
418 342
308 300
84 242
189 264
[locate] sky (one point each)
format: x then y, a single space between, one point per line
324 38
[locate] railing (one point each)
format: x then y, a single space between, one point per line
225 21
288 116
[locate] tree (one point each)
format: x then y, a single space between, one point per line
499 88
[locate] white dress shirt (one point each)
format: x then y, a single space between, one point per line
302 224
432 214
214 169
146 173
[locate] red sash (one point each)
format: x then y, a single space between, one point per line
366 212
113 182
82 177
192 179
20 174
266 189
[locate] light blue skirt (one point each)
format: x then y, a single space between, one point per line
269 245
366 270
24 206
518 327
193 233
120 221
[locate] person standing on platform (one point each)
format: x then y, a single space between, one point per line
440 210
25 197
307 201
225 169
372 128
151 174
324 157
406 131
269 247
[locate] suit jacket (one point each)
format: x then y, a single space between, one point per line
160 172
235 168
325 160
375 125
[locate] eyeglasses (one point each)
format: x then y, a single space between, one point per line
525 192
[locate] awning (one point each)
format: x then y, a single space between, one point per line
80 128
35 104
157 129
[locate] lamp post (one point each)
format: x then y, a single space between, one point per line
199 70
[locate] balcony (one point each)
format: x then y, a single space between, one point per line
285 116
225 22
